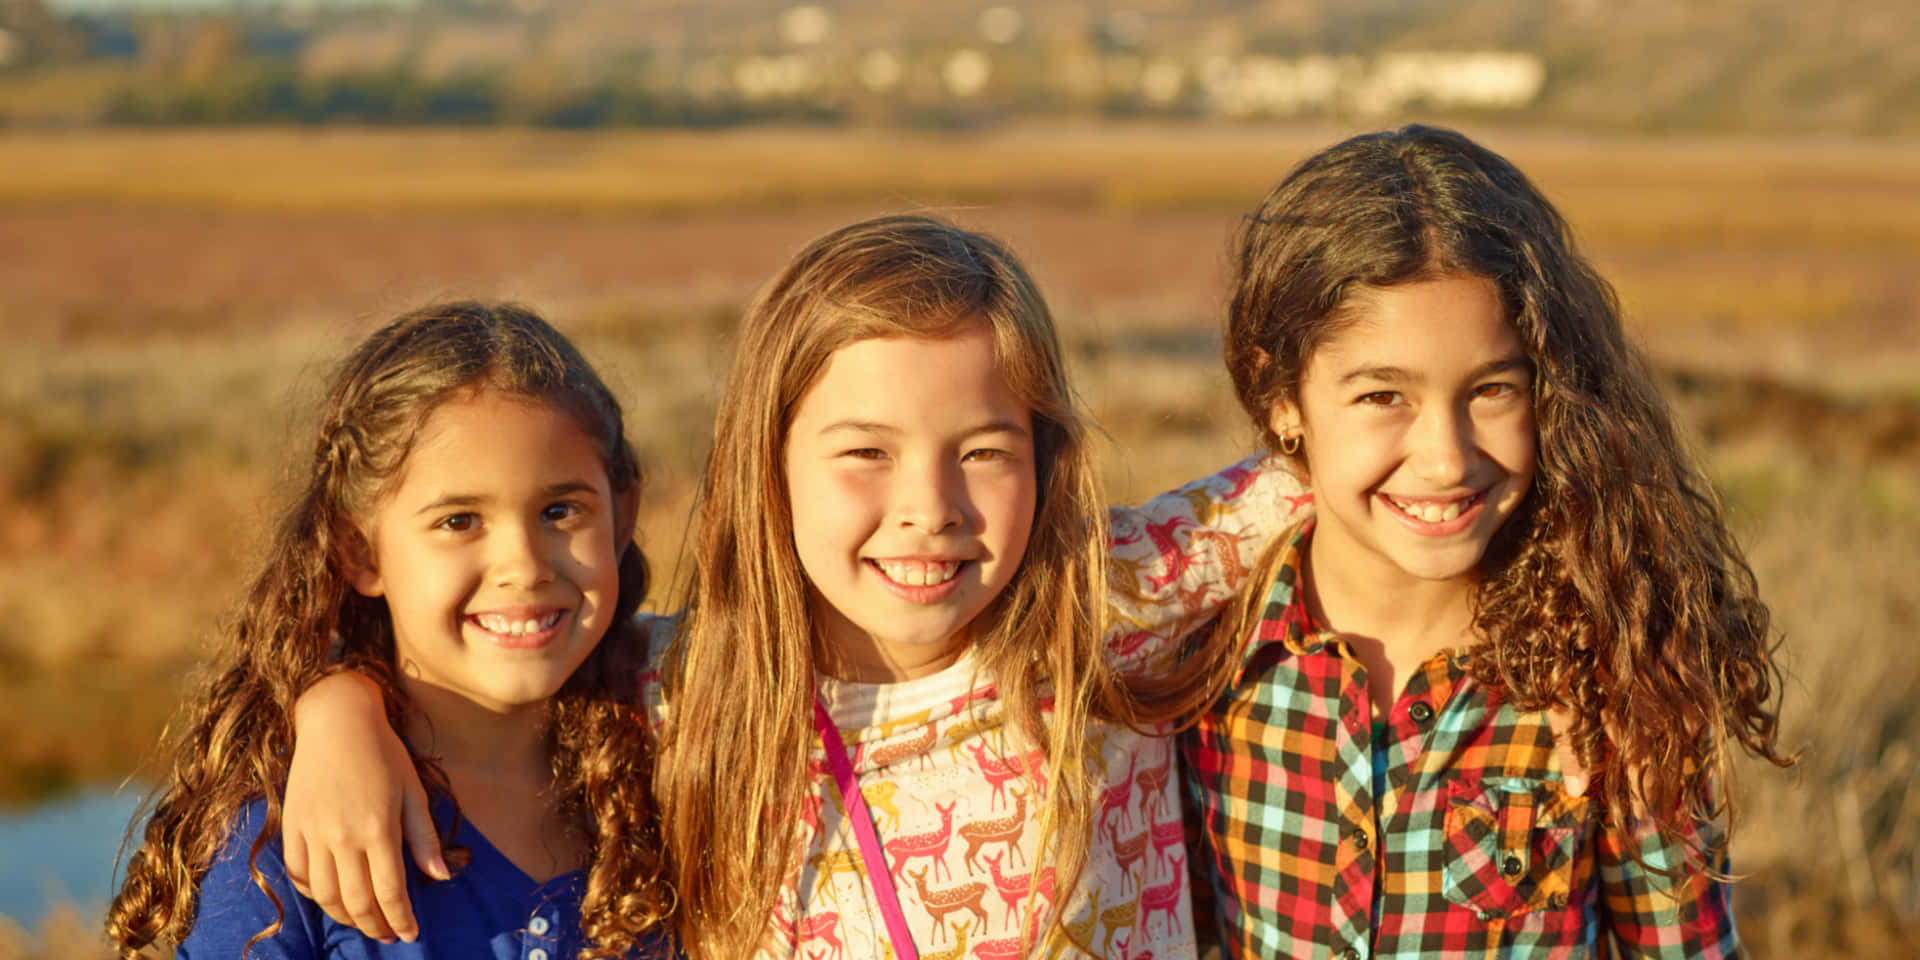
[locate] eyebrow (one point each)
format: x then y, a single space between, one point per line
875 426
450 500
1386 373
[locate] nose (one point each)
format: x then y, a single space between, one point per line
1442 446
520 556
929 498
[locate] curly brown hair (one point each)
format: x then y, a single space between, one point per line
1615 590
302 620
741 680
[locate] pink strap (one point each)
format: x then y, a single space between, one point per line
862 821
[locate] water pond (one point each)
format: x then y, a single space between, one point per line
63 853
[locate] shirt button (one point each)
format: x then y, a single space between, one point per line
1359 838
536 954
1420 712
1558 901
539 926
1349 954
1512 866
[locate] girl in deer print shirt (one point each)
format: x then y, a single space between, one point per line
899 627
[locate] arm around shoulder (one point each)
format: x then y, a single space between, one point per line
1179 558
353 797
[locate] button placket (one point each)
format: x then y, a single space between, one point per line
539 926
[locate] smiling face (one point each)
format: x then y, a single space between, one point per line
911 476
1417 429
496 552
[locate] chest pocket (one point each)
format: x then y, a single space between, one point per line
1510 845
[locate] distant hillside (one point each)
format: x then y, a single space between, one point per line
1757 66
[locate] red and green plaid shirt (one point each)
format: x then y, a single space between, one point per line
1473 849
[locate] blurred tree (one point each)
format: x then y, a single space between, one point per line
38 37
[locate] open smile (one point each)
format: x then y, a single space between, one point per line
518 629
919 580
1436 516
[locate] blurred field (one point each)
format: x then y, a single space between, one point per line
171 301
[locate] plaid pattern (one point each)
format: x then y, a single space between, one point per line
1474 849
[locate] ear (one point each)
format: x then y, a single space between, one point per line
1283 418
626 509
1289 430
361 571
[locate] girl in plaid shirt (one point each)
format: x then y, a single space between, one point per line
1505 520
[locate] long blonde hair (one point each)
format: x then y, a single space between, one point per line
740 681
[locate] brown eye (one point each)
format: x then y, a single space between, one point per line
459 522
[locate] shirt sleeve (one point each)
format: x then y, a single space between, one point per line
1649 913
233 909
1177 560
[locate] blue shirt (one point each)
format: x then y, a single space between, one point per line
490 909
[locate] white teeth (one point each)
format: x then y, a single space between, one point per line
1431 512
918 573
494 623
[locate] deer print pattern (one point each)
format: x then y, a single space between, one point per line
955 797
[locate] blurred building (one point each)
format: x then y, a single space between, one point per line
1739 63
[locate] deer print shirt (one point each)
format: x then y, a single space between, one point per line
956 817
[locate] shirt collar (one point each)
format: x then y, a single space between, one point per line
1285 619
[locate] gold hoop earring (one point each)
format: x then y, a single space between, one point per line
1290 444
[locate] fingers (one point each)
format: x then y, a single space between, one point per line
358 902
1572 771
323 888
363 888
387 885
294 852
423 841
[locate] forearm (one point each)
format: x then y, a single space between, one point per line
1178 559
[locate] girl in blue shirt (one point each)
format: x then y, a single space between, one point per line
465 539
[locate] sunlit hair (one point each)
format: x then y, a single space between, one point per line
1615 588
741 680
301 620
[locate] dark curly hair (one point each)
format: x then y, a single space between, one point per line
1615 590
301 620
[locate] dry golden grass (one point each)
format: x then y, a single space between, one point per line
172 300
